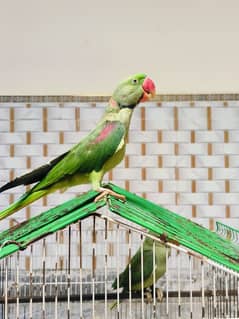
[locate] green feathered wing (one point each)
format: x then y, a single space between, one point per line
91 154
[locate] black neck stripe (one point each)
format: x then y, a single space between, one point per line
131 106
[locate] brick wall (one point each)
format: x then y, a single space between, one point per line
183 151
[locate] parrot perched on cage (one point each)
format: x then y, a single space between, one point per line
93 156
148 269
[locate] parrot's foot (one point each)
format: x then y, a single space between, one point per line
148 296
159 294
105 192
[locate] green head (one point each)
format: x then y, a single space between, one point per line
135 89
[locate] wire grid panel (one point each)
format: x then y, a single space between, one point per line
70 274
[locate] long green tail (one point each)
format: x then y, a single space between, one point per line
22 202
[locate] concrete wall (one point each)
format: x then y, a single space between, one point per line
86 47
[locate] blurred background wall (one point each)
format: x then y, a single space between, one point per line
86 47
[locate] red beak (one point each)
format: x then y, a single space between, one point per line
149 89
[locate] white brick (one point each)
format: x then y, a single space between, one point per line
8 105
225 148
159 148
226 173
4 150
73 137
193 198
160 173
100 105
27 114
17 191
28 150
233 103
177 104
4 114
167 104
192 119
159 118
193 173
78 105
143 161
216 104
42 105
4 175
57 149
202 104
182 104
235 212
176 161
61 125
12 162
136 120
209 136
211 211
234 136
226 198
57 198
4 126
161 198
133 148
40 160
28 125
176 136
126 173
61 113
4 199
44 137
143 186
209 161
89 118
192 148
225 118
183 210
122 164
177 186
234 187
143 136
210 186
234 160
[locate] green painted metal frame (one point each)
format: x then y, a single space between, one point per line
227 231
176 229
164 223
22 235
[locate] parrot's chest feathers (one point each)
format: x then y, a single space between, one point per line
125 116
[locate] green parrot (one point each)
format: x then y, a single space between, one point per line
93 156
148 270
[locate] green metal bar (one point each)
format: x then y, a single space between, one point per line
61 216
46 217
177 228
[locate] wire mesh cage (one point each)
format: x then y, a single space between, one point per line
70 273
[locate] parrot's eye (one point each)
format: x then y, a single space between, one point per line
134 81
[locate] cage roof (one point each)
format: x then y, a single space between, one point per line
165 224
